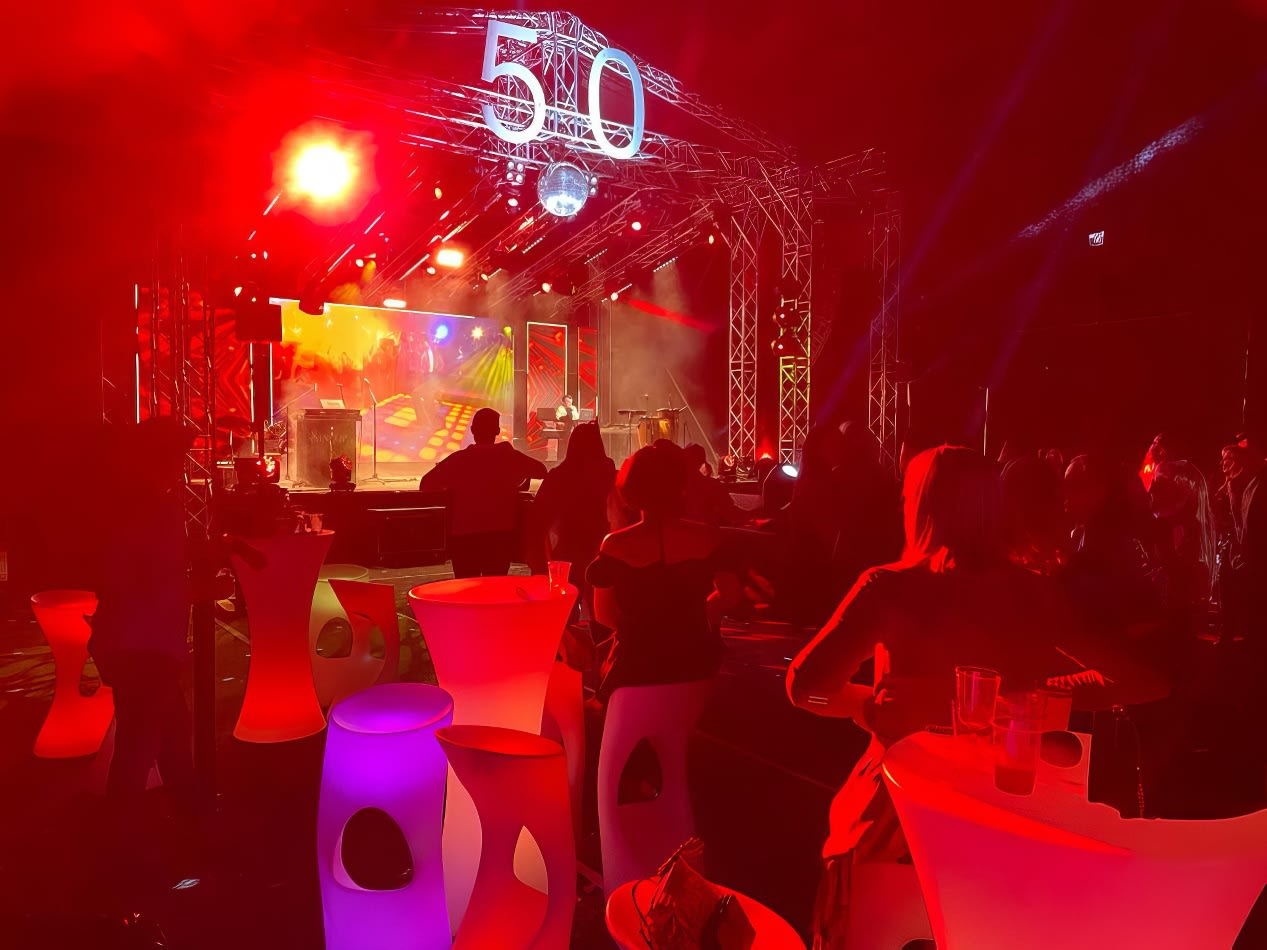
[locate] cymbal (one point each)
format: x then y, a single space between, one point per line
632 412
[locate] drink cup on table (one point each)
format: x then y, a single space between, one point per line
559 571
1016 745
976 691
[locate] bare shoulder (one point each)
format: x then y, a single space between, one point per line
618 541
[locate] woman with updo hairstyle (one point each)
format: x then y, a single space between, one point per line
654 580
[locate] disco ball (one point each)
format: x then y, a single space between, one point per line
563 188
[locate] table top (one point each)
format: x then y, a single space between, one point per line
955 774
510 591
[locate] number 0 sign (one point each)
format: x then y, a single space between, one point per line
497 30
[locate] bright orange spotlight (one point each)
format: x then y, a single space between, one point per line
322 171
326 171
450 257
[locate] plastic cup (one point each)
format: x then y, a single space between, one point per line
559 571
976 691
1016 745
1057 708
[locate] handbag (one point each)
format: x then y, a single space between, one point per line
689 912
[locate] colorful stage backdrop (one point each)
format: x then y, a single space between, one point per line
429 373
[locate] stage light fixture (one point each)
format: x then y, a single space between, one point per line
477 333
438 191
450 257
442 332
635 225
507 331
712 238
322 171
563 188
359 262
431 270
512 202
614 295
395 303
546 286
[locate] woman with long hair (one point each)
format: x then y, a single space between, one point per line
953 599
657 574
570 507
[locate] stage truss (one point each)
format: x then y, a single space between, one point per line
752 181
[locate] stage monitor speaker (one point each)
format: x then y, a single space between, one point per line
325 434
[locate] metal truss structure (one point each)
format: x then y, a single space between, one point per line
886 262
750 178
176 372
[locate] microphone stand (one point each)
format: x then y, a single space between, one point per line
686 405
374 424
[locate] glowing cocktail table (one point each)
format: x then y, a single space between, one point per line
280 701
75 724
493 641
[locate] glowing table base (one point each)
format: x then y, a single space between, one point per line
280 701
493 641
75 724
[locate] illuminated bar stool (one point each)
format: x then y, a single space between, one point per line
325 608
637 837
564 721
370 607
505 912
493 641
381 753
75 724
280 701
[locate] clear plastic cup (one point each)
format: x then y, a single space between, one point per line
559 571
976 691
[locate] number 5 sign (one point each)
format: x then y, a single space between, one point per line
497 30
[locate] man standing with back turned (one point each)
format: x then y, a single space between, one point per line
483 482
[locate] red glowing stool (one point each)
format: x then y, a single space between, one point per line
368 607
280 701
75 724
336 677
505 912
493 641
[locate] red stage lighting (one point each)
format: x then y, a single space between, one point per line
322 171
635 225
325 170
546 286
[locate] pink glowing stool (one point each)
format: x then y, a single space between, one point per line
564 722
75 724
280 701
518 782
638 837
493 641
381 753
629 903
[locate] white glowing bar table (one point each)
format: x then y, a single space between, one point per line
1052 870
280 702
493 641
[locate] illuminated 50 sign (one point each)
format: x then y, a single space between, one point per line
493 69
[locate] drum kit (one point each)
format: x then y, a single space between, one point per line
650 426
